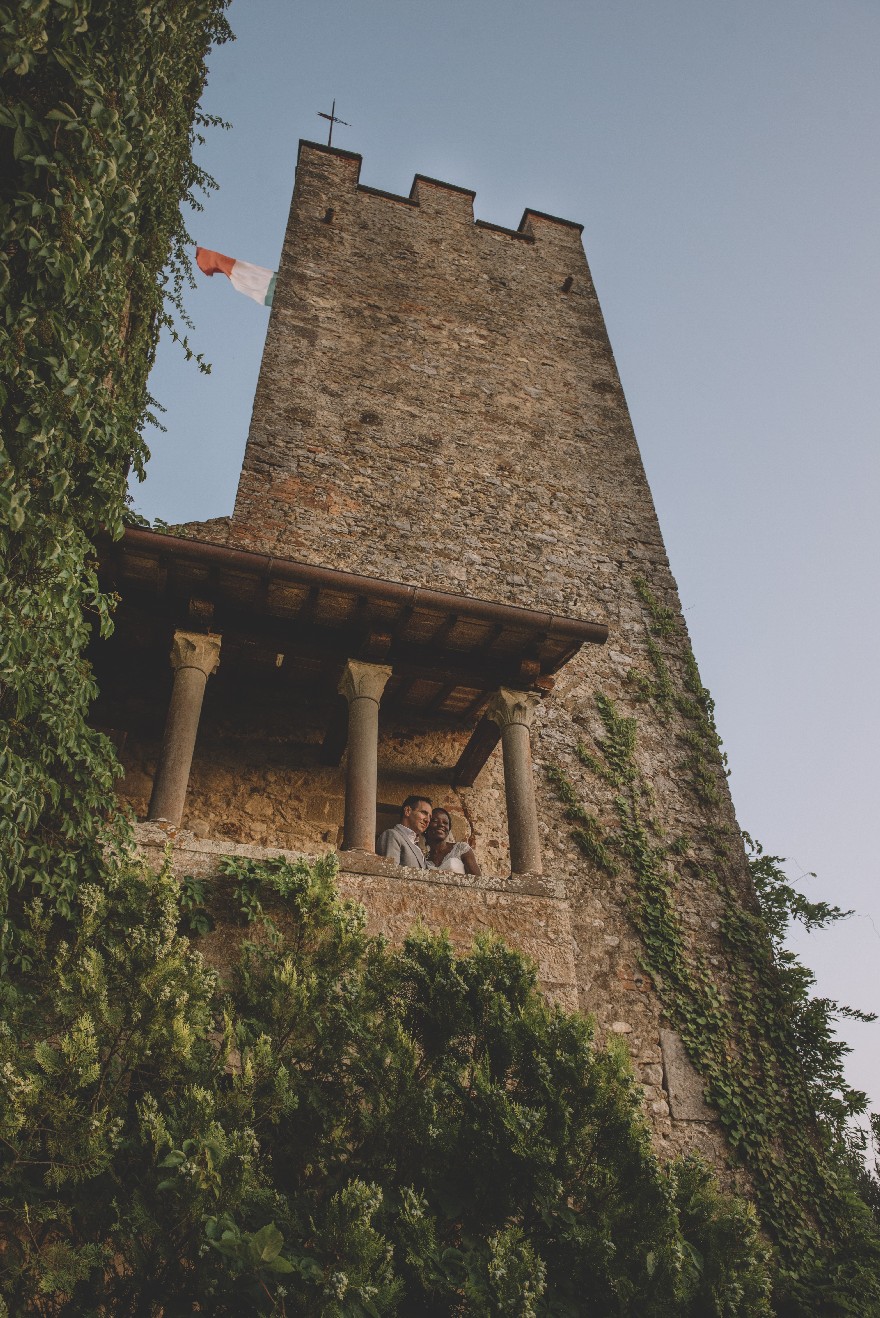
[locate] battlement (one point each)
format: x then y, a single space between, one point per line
430 195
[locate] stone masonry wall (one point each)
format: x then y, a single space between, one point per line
262 786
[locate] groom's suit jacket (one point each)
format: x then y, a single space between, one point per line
395 844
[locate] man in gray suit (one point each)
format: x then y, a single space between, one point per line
401 843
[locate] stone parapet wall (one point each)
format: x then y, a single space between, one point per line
530 912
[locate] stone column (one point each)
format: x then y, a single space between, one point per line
194 657
513 711
362 685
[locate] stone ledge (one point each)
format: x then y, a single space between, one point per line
156 836
530 885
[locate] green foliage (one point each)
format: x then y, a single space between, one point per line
341 1129
105 1018
766 1048
195 917
96 115
867 1175
780 901
588 832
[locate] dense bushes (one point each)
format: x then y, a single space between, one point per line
349 1130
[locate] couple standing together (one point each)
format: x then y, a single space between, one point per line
423 840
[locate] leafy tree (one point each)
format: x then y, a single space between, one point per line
809 1020
867 1175
96 132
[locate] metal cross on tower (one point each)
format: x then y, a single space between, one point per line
334 119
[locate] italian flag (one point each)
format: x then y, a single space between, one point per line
253 280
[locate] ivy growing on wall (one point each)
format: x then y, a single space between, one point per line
97 115
765 1048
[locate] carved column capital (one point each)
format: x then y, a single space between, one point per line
360 680
195 650
508 707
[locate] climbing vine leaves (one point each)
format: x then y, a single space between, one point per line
766 1050
96 131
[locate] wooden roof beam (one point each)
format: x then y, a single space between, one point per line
483 740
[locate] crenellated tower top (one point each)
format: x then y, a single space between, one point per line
435 197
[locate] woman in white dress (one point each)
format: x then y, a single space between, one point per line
444 853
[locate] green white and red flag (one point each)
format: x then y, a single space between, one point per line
255 281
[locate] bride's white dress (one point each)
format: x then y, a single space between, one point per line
452 860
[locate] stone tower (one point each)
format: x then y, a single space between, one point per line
442 515
442 394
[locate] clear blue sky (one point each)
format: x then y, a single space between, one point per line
722 158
